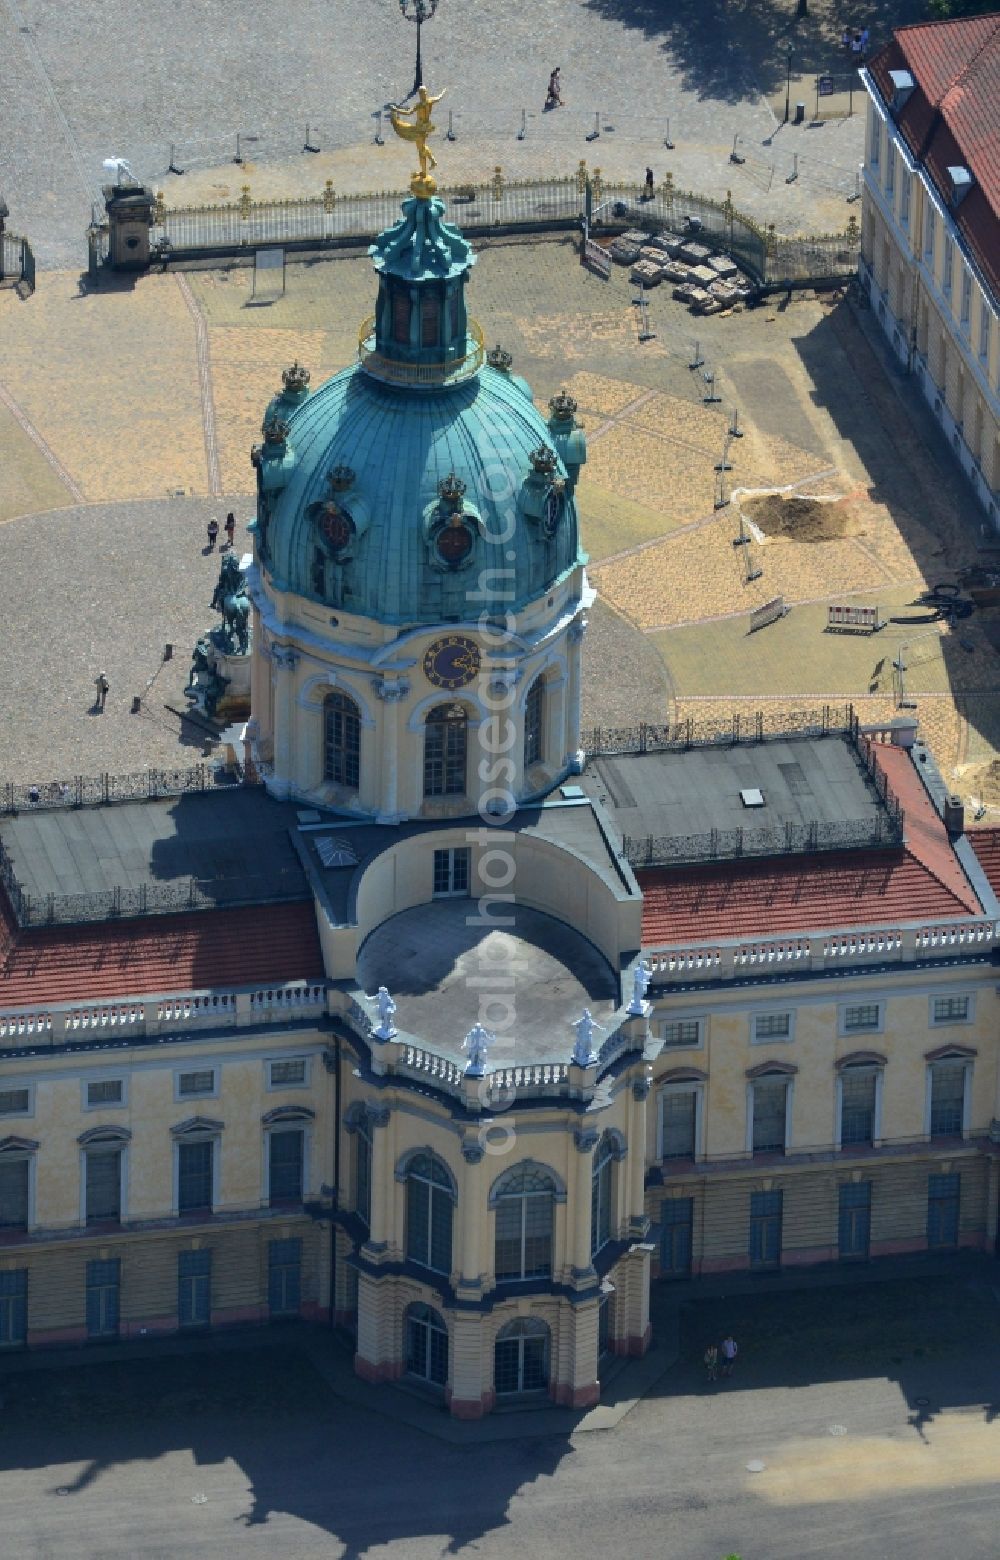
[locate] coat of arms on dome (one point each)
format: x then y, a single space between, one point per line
450 527
555 503
335 525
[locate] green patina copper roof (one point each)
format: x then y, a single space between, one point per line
421 246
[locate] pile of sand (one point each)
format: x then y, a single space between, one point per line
800 519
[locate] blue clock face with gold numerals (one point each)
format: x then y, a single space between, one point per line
452 662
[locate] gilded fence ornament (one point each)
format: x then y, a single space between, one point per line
414 124
498 182
159 209
328 196
597 184
853 231
581 176
245 202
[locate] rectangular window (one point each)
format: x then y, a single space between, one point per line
14 1182
401 317
284 1277
865 1016
930 223
14 1309
857 1106
854 1221
678 1116
103 1187
947 1099
950 1010
944 1193
15 1102
769 1115
984 330
966 306
288 1074
890 169
600 1207
677 1221
106 1091
949 262
445 755
904 201
285 1161
193 1083
194 1177
772 1026
876 153
682 1031
194 1288
765 1229
452 872
103 1285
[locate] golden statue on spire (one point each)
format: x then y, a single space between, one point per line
414 124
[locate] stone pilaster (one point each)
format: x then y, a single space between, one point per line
473 1205
581 1265
284 660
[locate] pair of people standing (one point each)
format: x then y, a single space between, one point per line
721 1357
213 531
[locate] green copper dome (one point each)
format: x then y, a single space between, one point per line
420 485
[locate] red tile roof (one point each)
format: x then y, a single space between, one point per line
169 953
755 898
953 117
986 844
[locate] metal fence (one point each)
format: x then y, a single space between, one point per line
100 790
760 726
503 205
790 839
17 260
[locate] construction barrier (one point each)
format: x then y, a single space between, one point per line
853 620
770 612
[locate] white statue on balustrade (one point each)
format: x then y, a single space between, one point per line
583 1050
475 1045
386 1012
640 985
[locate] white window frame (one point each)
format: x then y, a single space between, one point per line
947 265
757 1039
969 997
965 304
876 1141
197 1137
196 1067
122 1147
452 852
701 1019
282 1088
695 1086
788 1079
965 1062
303 1125
844 1008
13 1085
85 1084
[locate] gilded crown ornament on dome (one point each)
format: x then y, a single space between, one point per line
276 431
296 378
562 406
451 491
544 460
498 357
340 478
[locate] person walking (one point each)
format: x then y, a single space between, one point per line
555 86
649 183
230 528
213 533
729 1353
102 685
712 1361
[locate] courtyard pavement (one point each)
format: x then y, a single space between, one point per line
862 1419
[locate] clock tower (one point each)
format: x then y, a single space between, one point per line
418 586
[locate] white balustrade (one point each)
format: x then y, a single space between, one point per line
817 949
24 1027
427 1064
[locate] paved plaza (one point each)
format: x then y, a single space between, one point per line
125 80
113 480
862 1419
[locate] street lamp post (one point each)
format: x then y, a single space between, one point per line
419 11
788 85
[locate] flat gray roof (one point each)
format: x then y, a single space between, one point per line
447 970
235 844
804 780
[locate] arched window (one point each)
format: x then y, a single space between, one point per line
430 1205
445 748
521 1357
426 1345
341 740
430 319
524 1204
534 710
601 1187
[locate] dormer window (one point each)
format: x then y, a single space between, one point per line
960 182
903 86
